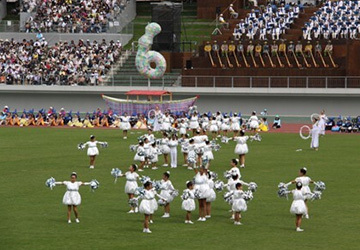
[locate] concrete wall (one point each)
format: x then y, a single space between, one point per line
299 105
2 9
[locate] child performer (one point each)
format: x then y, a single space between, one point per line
235 124
185 148
166 188
125 124
225 126
253 122
183 126
72 196
153 151
298 206
148 205
305 181
131 184
241 148
214 127
140 155
211 197
189 204
202 187
92 150
173 143
208 153
165 149
239 204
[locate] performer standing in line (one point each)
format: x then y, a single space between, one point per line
241 148
188 204
166 189
298 207
253 122
315 132
239 204
158 115
140 155
72 196
149 205
202 188
165 150
131 184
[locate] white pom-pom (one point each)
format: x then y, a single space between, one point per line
161 202
81 146
145 179
94 184
219 186
253 186
248 196
50 183
134 202
228 197
319 186
185 195
316 195
174 193
104 144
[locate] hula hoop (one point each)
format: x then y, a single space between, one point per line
150 112
315 115
301 132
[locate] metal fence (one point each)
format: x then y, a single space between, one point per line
9 26
271 81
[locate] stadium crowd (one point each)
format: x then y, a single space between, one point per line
33 62
271 21
334 20
67 16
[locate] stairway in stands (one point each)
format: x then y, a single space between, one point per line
127 75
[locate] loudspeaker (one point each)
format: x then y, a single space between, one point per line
168 16
189 64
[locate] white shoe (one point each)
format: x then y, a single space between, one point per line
77 220
166 215
298 229
136 210
125 137
154 168
174 167
91 167
69 221
306 216
237 223
151 222
165 165
140 170
146 166
131 212
190 222
208 216
185 165
190 168
148 231
242 166
200 219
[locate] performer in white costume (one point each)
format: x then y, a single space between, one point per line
188 204
166 189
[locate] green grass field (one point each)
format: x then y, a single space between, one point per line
33 217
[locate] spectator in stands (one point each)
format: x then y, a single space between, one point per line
34 62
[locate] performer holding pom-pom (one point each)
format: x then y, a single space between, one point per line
214 127
208 154
166 189
131 184
239 204
298 206
92 150
148 205
72 196
305 182
202 191
188 203
140 155
254 122
125 124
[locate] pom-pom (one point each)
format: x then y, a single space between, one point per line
134 202
225 139
162 202
191 160
50 183
228 197
199 150
133 148
144 179
104 144
319 186
157 185
316 195
227 174
248 196
213 175
94 184
174 193
219 186
283 193
81 146
139 191
197 193
115 172
216 147
256 137
185 195
253 186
